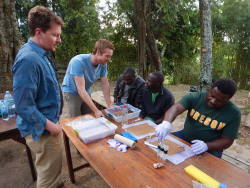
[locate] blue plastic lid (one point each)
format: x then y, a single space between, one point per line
223 185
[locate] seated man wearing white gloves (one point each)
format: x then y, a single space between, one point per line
212 121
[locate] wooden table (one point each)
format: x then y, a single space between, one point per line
135 168
8 130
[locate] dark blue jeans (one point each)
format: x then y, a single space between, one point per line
180 134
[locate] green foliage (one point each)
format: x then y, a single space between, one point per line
231 48
22 8
180 34
118 29
81 30
175 25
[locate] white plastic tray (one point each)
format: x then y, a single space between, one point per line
95 129
176 158
135 113
139 123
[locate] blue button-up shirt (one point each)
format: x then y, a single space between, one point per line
36 90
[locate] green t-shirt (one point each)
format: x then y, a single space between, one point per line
149 118
206 123
154 95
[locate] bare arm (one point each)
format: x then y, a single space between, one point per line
220 144
106 91
80 84
173 112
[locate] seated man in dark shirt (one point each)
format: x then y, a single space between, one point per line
128 87
155 99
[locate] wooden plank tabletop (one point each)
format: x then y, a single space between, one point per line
135 167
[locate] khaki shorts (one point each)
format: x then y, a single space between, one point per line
48 159
73 106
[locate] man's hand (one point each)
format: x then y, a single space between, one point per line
54 129
98 114
162 130
198 147
111 105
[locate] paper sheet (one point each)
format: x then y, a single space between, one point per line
176 158
141 129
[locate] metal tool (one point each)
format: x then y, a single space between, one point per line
160 146
163 147
151 145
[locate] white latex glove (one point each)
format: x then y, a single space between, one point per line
122 148
198 147
113 143
162 130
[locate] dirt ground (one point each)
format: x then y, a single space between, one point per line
15 172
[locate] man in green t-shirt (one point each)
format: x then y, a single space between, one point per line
212 120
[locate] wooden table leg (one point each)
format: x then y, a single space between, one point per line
68 158
32 168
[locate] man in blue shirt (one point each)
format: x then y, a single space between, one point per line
37 95
83 70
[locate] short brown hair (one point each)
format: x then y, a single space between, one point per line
42 17
103 44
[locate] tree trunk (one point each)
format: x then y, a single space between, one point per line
150 37
147 47
206 44
140 10
10 40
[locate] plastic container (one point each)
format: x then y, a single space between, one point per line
123 113
4 111
92 130
9 102
1 104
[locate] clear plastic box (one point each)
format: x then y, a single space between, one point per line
126 111
92 130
